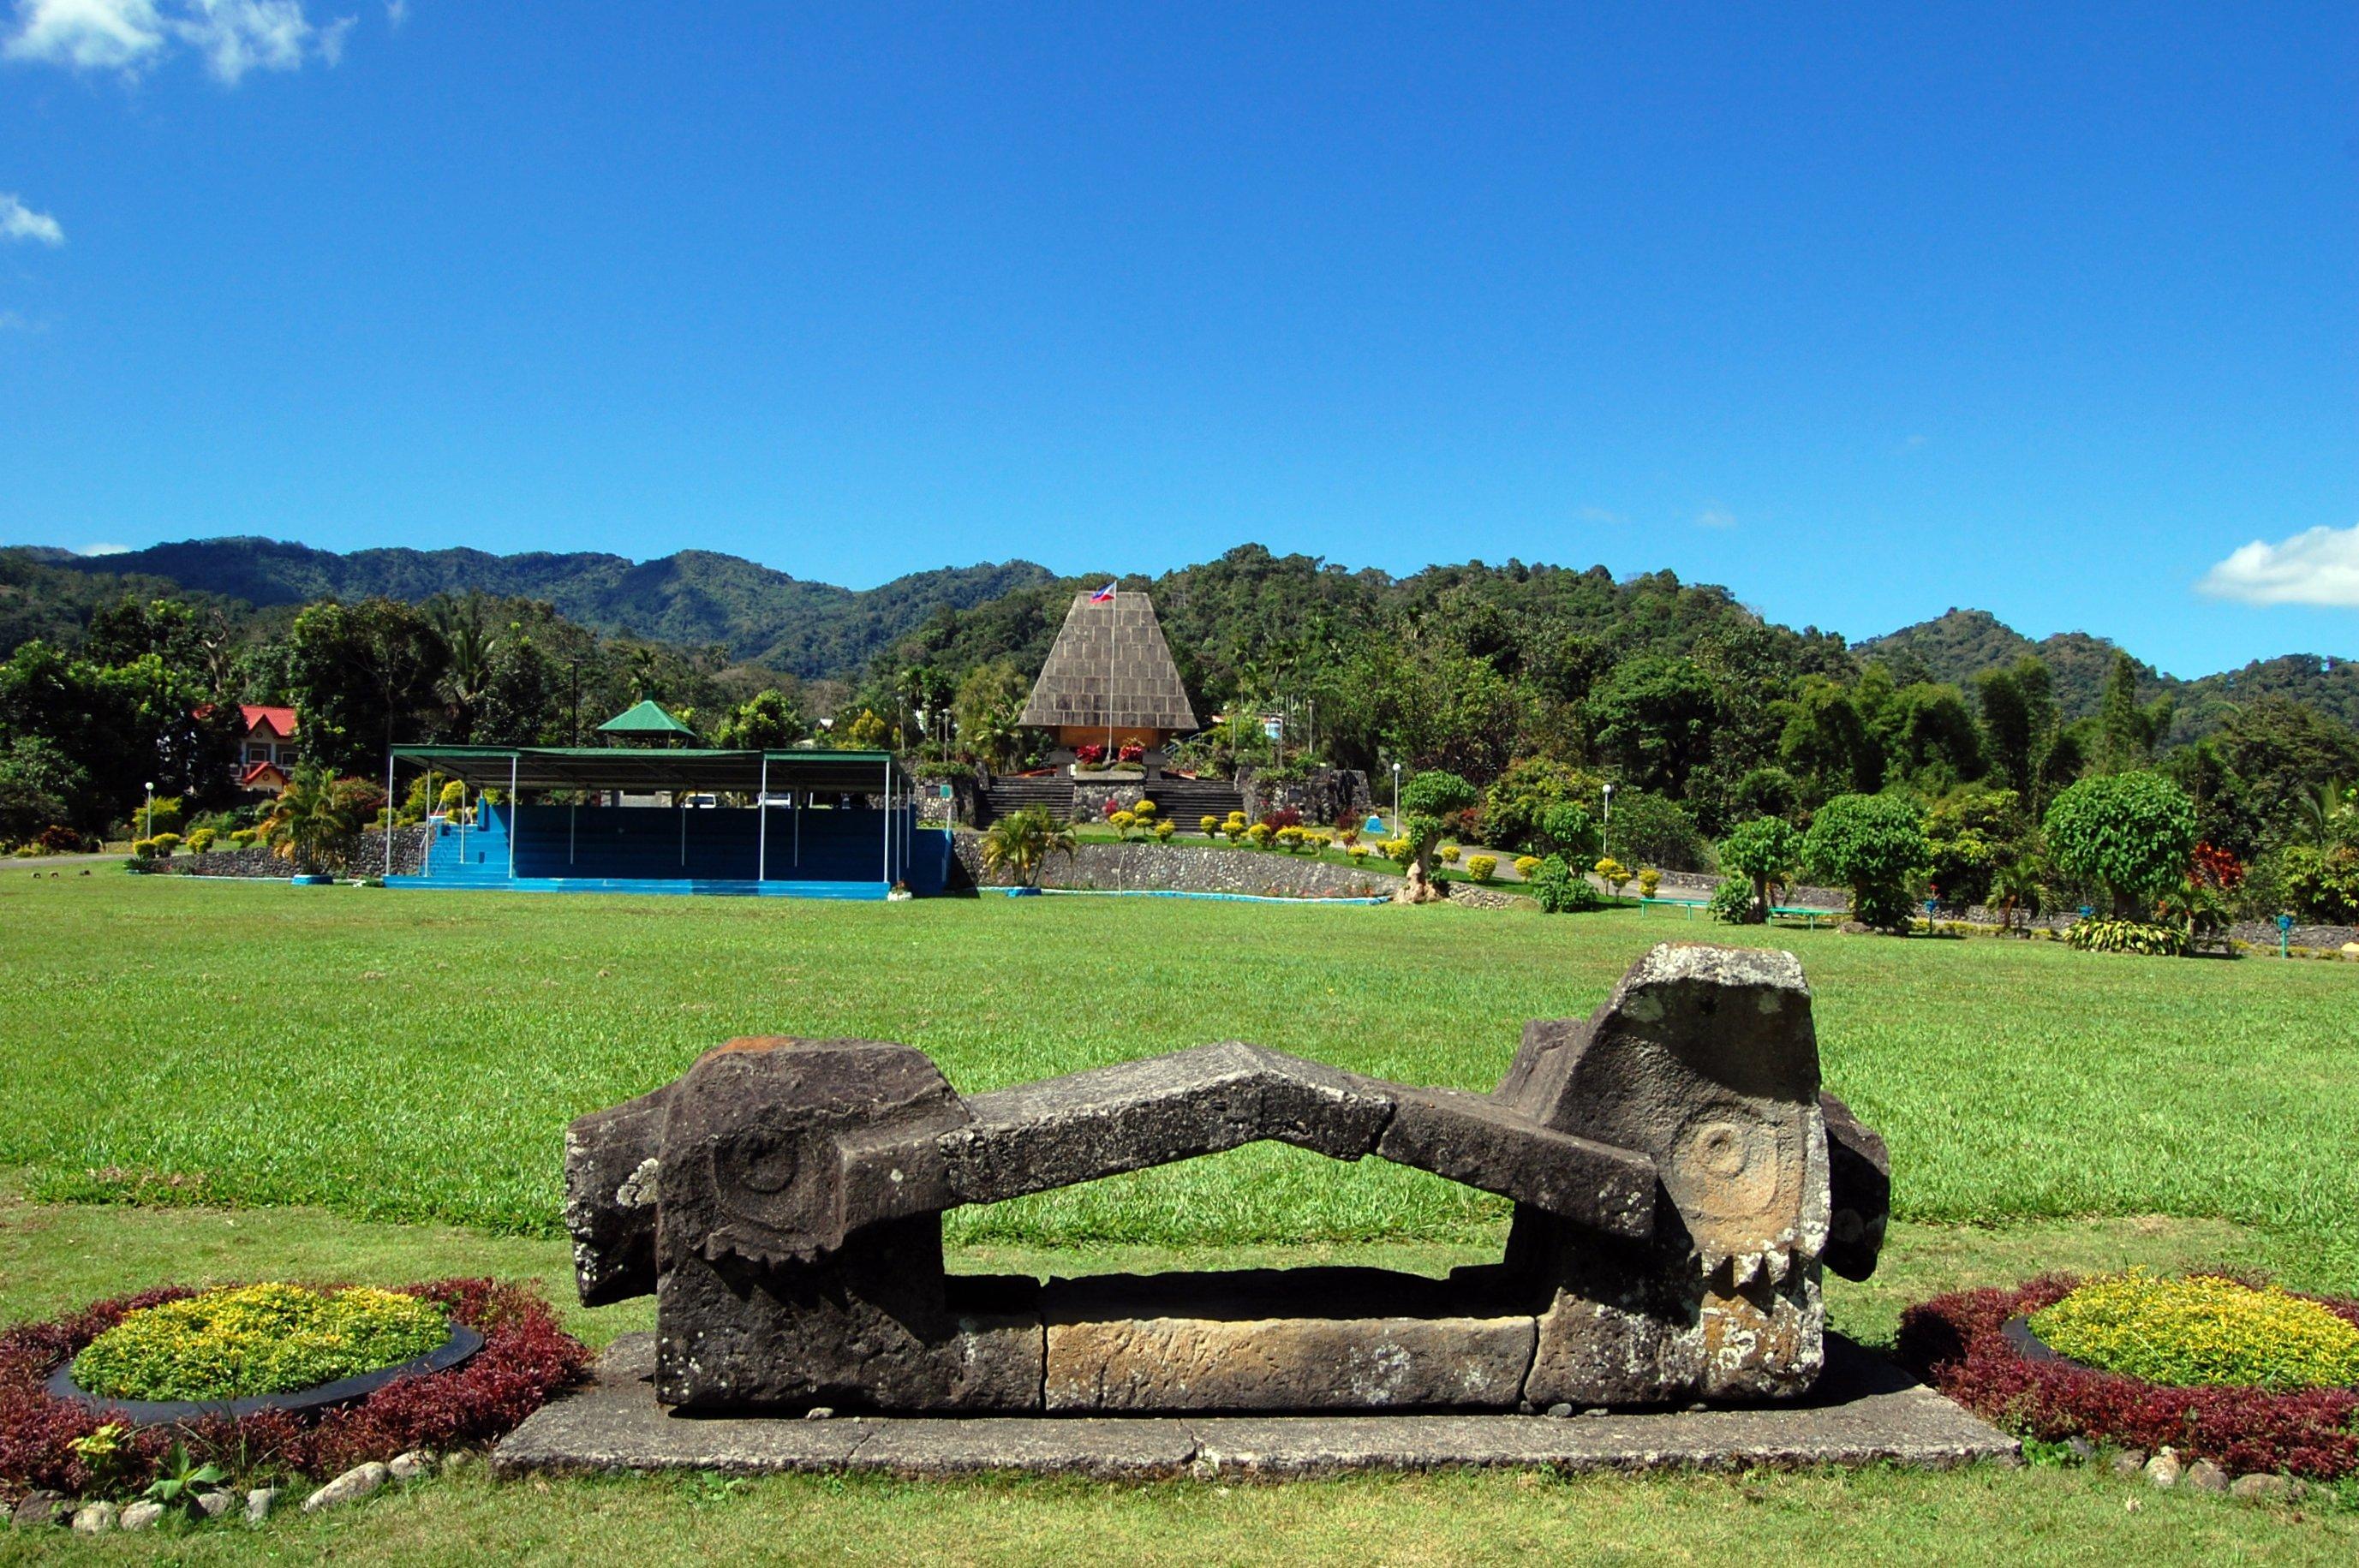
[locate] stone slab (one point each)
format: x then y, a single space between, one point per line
1864 1412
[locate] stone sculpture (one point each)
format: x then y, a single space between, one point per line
1678 1179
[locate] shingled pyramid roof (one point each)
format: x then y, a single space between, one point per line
1111 649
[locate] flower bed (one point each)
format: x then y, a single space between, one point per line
526 1358
1959 1344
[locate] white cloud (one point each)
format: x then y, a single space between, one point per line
2319 566
90 35
233 36
18 221
102 550
1716 516
1599 515
396 13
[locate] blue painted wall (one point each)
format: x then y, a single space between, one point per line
657 843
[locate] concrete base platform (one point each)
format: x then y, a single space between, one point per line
1864 1412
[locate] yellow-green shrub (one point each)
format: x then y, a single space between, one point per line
1208 825
1449 854
163 844
1648 880
2201 1331
256 1339
1144 811
1483 868
1526 864
1163 831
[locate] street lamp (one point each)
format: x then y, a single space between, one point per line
1607 827
150 830
1395 798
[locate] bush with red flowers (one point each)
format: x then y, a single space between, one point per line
526 1358
1131 752
1090 754
1954 1342
1284 817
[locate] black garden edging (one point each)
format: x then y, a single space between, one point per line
464 1343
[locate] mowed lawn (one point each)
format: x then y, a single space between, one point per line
415 1055
304 1079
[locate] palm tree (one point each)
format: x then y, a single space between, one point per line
464 680
1021 842
995 737
2319 809
314 820
2015 886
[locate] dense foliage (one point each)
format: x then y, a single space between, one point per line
1540 686
2201 1332
2132 834
1956 1343
1763 851
1872 844
245 1340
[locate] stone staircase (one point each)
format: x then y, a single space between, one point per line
1006 795
1184 801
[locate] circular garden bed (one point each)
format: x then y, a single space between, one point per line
271 1380
2251 1377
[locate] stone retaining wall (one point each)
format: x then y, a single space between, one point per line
1117 867
1321 796
259 861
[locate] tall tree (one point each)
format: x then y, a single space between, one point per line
363 677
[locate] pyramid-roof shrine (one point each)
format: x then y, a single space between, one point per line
1110 668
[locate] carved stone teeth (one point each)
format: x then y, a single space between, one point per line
1774 1262
1748 1265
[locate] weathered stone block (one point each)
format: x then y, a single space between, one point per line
1134 1115
1273 1340
875 1326
1476 1140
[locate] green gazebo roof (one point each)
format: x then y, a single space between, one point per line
645 717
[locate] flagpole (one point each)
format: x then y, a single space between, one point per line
1109 691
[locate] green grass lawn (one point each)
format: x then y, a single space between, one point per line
414 1056
337 1083
54 1257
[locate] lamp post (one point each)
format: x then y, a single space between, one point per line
1397 800
149 830
1607 825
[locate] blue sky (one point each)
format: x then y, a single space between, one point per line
1863 312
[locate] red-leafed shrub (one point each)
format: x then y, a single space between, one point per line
1955 1343
1284 817
1131 752
526 1358
2215 867
1092 752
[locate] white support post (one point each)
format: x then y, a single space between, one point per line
389 811
887 798
426 860
511 814
762 829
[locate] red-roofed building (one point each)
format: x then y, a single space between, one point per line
267 752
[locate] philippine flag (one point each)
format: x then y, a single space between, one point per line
1102 595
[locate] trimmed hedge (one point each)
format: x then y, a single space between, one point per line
526 1358
1954 1342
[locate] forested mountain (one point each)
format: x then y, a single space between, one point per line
693 599
1963 643
1540 684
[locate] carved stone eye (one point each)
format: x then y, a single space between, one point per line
764 1160
1726 1166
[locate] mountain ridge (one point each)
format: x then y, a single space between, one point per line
815 630
691 598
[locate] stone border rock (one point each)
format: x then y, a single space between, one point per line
1864 1412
